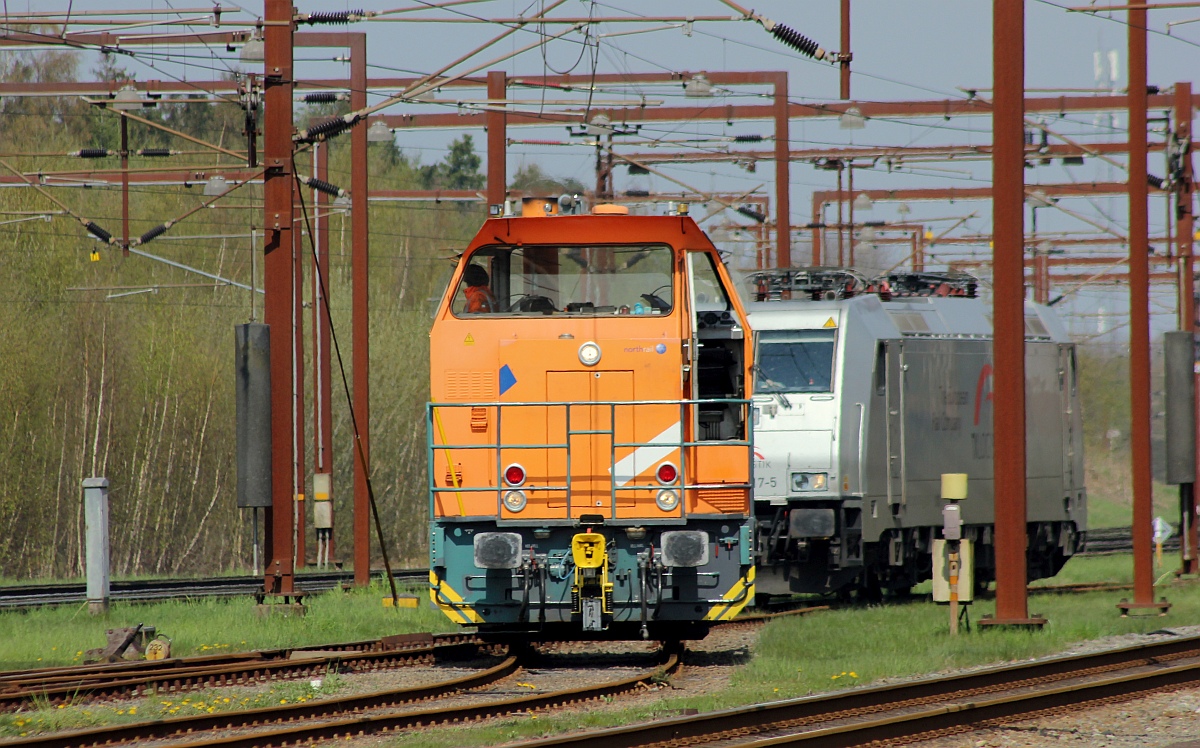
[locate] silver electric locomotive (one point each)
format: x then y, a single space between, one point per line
865 392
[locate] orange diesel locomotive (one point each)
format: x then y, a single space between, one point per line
589 443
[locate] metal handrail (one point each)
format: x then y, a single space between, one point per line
681 444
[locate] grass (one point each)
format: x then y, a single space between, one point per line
845 648
43 637
44 718
1108 478
792 657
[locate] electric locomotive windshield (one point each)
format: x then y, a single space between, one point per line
589 444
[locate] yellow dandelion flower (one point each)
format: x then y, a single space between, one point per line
853 674
211 709
133 710
776 690
54 649
226 699
120 711
62 706
283 701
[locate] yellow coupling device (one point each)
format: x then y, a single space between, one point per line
591 595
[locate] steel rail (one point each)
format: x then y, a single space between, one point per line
383 723
400 641
945 692
179 676
968 716
164 728
20 596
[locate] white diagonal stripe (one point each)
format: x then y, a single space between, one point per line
632 465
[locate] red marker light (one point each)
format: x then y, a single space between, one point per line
667 473
514 475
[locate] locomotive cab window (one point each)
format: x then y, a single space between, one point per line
794 361
718 369
574 280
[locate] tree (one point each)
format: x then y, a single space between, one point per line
533 180
458 171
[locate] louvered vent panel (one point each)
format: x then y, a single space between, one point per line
724 499
470 386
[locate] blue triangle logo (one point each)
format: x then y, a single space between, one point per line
507 379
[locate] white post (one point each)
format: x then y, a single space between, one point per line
95 512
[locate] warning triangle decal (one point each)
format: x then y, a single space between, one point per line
830 323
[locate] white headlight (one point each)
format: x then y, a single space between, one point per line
810 481
514 500
667 499
589 354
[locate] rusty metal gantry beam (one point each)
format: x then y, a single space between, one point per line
1008 314
356 43
1139 324
820 198
1184 226
278 272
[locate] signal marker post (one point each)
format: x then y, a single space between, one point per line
952 555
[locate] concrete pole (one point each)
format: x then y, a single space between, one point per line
95 514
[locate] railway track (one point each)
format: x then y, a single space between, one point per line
348 716
131 679
74 684
921 709
1100 542
34 595
1108 540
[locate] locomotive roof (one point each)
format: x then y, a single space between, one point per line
675 231
912 316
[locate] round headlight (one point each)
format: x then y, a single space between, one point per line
589 354
514 501
667 499
667 473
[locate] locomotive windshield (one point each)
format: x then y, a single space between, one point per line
575 280
791 361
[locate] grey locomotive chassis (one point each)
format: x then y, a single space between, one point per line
908 397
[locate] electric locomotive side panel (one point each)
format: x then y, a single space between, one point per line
943 390
916 373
